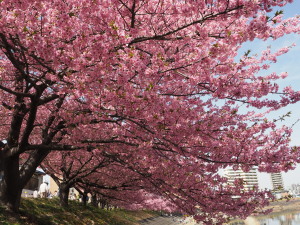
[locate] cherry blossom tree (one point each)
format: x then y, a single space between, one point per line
67 169
155 83
103 177
113 186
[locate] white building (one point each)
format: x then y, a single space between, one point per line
33 184
277 181
249 178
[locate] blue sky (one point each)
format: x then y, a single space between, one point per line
290 63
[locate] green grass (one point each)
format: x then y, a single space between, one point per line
49 212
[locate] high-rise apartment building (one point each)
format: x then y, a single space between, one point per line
277 181
249 178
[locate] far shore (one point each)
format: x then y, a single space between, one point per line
283 206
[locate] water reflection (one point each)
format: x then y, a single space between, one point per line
287 219
280 219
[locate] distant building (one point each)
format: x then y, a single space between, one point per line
33 184
249 178
53 187
277 181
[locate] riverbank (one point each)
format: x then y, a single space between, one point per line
49 212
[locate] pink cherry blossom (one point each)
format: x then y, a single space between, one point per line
152 87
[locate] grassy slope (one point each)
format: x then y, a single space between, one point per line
48 212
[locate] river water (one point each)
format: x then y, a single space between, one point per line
278 219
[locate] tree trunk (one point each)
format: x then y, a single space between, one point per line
15 178
94 201
64 194
10 185
103 203
84 198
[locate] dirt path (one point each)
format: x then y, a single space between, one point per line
162 220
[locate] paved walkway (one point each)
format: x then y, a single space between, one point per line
163 220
